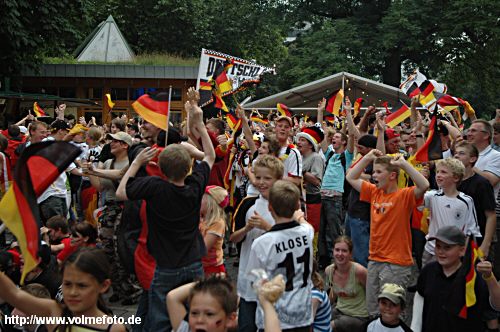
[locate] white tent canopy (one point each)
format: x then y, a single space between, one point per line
308 95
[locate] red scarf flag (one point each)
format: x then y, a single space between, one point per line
431 150
334 102
398 114
111 104
222 82
38 110
357 106
38 167
283 110
153 108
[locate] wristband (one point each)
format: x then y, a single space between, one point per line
488 278
420 135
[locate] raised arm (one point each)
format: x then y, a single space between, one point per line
175 304
196 119
354 174
142 158
240 112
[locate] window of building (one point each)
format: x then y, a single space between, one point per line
119 94
96 93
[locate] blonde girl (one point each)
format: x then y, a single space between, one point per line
213 227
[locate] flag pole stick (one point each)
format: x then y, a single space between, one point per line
168 114
343 92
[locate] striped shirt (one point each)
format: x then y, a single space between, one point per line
323 312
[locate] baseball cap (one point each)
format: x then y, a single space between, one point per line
59 125
395 293
287 118
449 235
121 136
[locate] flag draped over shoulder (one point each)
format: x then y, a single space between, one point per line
431 150
153 108
398 114
334 102
464 295
38 110
283 110
111 104
38 167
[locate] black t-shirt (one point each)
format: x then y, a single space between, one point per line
483 195
438 292
356 208
173 215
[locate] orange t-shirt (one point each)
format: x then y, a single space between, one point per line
214 256
390 235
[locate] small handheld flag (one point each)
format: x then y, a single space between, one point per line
334 102
38 110
153 108
111 104
283 110
357 106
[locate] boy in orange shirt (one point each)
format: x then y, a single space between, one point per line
390 258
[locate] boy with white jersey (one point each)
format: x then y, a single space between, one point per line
251 219
287 249
448 206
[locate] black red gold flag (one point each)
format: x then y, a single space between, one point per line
431 150
38 167
283 110
398 114
334 102
38 110
153 108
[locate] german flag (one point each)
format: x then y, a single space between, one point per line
153 108
329 117
334 101
38 167
222 82
233 121
431 150
259 120
464 296
38 110
220 104
205 91
357 106
283 110
399 113
386 105
109 101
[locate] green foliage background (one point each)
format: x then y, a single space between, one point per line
456 42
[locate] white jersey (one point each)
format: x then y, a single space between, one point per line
287 249
292 161
456 211
243 285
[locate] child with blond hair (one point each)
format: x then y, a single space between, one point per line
213 227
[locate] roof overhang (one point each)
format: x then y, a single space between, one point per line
308 95
40 97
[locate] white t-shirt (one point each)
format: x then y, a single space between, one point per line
450 211
292 163
287 249
262 207
489 161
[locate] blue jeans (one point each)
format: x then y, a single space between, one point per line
164 280
329 226
142 311
359 232
246 316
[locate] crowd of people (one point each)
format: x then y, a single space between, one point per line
337 225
